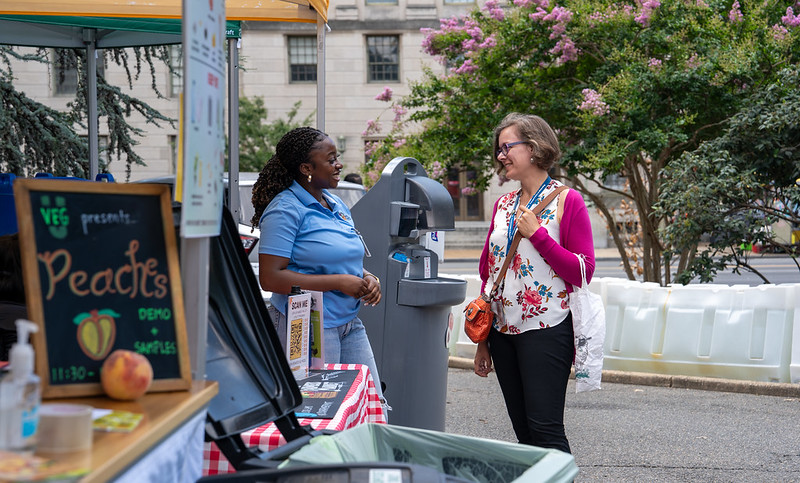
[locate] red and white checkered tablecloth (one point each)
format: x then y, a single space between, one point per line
360 405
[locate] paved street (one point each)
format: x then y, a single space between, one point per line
777 268
639 433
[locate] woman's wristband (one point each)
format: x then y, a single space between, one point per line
373 276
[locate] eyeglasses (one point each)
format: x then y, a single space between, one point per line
505 148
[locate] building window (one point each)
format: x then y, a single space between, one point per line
381 2
383 58
176 74
66 73
458 2
303 59
468 203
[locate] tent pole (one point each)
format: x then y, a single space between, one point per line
89 39
234 203
321 26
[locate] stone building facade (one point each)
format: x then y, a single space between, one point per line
371 44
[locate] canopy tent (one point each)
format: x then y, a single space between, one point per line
266 10
99 24
126 23
111 32
92 33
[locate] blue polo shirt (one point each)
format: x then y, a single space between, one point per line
316 241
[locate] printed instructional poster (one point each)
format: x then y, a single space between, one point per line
316 349
323 392
298 321
202 119
434 241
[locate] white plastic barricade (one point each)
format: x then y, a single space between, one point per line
731 332
794 366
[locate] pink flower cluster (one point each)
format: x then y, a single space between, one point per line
468 67
370 147
399 112
472 43
735 15
427 41
693 61
489 42
565 48
437 170
469 191
790 19
613 11
648 7
560 17
779 32
475 33
373 127
527 3
654 64
446 26
374 174
593 103
386 95
494 9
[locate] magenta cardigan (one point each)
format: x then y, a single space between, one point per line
576 237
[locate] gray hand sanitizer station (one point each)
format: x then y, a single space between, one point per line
410 328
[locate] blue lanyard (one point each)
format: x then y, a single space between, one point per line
512 222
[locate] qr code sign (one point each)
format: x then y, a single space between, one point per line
296 339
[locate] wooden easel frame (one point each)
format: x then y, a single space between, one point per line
33 284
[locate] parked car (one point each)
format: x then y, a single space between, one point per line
349 192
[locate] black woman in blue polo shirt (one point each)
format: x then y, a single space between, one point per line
308 239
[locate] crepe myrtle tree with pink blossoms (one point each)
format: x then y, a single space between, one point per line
629 86
379 149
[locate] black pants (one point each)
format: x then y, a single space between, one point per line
533 369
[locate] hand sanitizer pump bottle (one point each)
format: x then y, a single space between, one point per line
20 395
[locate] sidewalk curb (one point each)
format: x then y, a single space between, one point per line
780 389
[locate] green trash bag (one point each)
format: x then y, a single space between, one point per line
474 459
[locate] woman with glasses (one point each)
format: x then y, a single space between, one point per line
531 342
308 239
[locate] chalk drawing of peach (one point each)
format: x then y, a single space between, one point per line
97 330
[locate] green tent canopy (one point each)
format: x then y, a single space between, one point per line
110 32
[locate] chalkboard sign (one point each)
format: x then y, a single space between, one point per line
101 273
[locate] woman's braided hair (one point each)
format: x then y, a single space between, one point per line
284 167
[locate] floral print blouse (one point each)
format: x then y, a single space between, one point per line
532 296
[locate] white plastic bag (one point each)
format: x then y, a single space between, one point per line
589 325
